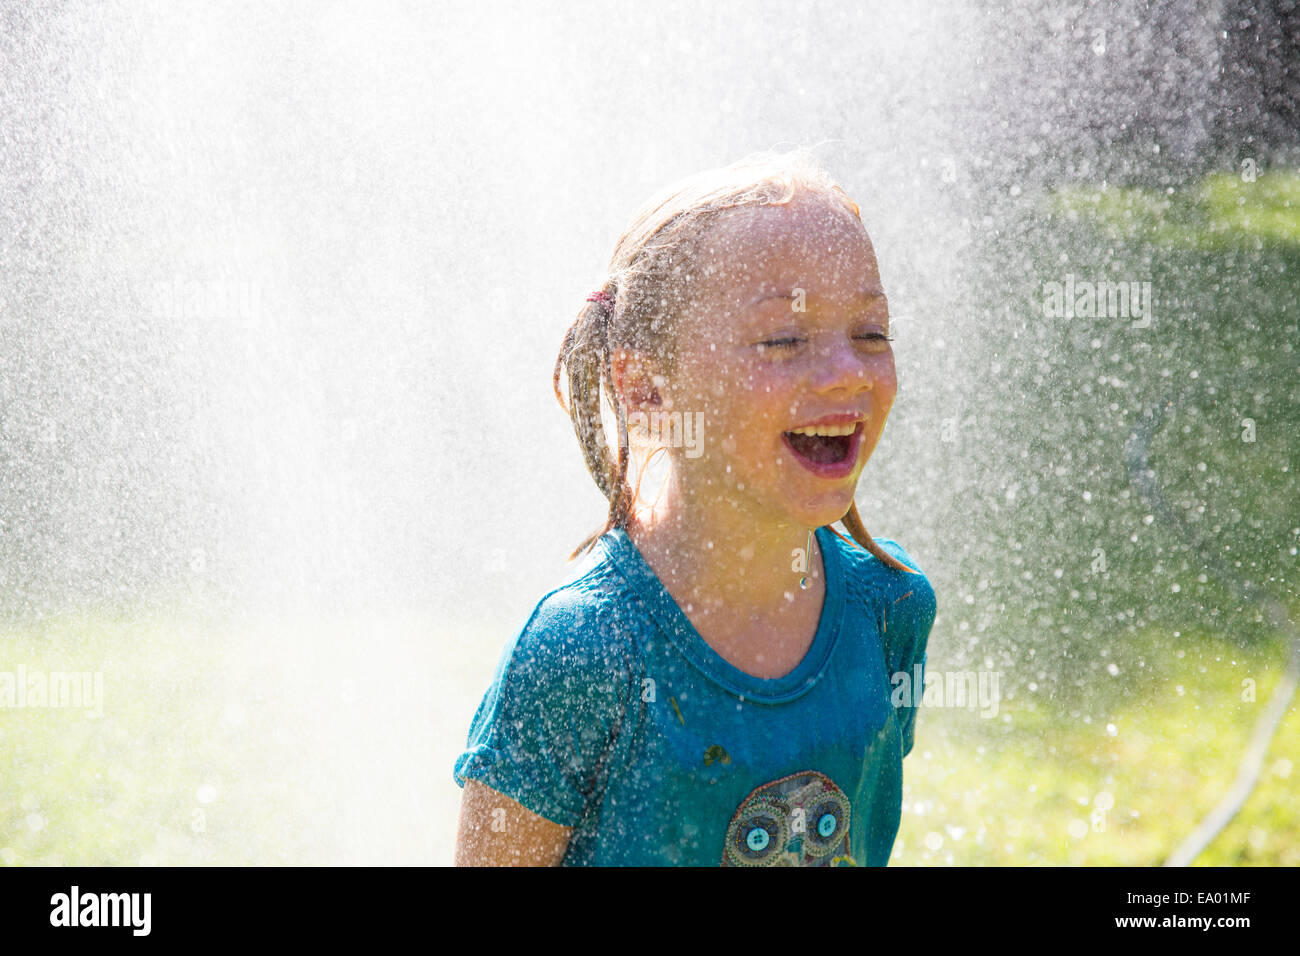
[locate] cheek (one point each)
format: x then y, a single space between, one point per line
700 377
738 395
888 390
743 417
884 381
759 402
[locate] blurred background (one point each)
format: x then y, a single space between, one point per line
282 284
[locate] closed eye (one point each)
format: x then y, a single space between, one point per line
874 338
790 342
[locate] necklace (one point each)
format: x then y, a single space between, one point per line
807 551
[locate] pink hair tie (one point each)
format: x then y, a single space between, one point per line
604 298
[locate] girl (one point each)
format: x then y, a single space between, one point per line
712 683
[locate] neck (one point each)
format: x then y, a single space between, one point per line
721 560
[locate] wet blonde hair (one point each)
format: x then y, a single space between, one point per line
648 283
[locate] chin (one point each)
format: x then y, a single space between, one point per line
825 509
791 494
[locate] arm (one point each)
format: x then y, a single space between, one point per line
910 609
496 831
531 767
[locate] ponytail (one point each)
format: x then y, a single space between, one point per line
853 522
585 354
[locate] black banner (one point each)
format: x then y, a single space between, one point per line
133 907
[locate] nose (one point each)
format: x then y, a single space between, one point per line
844 369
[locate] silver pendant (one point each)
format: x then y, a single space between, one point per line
807 551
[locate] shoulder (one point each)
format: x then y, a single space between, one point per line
562 690
864 570
902 603
914 588
577 633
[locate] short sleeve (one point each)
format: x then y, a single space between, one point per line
910 609
547 722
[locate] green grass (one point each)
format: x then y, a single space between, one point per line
1021 788
167 775
1219 213
1162 738
184 710
299 739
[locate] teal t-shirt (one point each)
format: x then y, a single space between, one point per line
609 713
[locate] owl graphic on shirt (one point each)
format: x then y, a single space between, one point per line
799 820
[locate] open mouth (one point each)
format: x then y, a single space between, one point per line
821 446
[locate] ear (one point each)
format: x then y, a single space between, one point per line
634 380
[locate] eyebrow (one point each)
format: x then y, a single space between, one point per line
862 295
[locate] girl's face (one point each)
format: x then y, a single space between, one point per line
785 351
